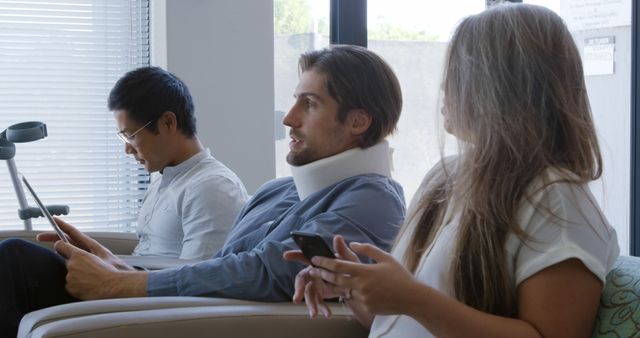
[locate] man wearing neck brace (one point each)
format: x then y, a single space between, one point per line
347 101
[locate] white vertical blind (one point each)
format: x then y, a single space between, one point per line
58 62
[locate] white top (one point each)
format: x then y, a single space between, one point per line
578 230
189 210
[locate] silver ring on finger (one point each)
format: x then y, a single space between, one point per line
348 294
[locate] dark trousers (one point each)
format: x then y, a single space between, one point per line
31 278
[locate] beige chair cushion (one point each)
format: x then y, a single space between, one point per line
120 243
186 317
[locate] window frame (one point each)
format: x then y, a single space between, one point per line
348 22
634 198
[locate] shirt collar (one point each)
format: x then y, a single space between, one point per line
169 173
313 177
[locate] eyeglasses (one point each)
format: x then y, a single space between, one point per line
129 139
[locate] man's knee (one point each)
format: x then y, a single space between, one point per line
18 251
13 246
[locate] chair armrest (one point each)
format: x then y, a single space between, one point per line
120 243
188 317
156 262
37 318
618 311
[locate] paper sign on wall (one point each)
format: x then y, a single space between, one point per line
583 15
598 56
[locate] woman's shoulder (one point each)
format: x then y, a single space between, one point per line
560 187
562 220
561 208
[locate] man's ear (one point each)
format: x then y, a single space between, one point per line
359 121
168 121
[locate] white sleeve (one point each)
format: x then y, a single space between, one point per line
565 223
209 209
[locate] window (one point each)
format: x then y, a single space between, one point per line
412 36
58 62
299 26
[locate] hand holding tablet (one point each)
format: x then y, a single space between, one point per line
44 211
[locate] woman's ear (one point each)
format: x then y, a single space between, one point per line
359 121
168 121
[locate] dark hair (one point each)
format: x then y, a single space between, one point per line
359 79
147 92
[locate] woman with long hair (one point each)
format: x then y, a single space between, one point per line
504 239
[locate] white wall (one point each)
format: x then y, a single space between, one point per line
610 98
223 50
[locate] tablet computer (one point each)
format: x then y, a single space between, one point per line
44 210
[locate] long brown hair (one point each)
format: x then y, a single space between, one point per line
515 94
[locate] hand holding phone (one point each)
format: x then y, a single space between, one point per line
312 245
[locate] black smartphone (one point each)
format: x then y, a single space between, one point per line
312 244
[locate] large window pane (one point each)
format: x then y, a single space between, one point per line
412 36
299 26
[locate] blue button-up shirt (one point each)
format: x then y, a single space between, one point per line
365 208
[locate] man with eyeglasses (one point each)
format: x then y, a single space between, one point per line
347 101
188 210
